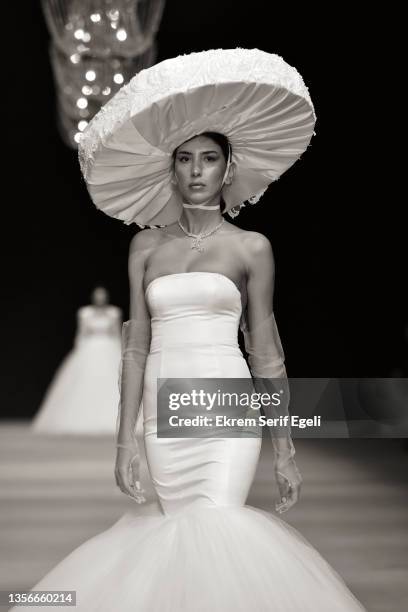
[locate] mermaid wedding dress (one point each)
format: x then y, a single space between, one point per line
205 551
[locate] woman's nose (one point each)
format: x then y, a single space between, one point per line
196 169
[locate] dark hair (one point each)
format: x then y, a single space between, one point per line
222 141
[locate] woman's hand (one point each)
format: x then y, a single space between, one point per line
289 483
127 473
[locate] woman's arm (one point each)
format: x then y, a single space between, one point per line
266 360
82 322
135 348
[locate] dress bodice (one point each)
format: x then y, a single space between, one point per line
193 308
93 321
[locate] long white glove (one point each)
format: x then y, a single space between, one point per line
266 362
135 348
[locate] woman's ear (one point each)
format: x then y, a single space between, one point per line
174 179
231 173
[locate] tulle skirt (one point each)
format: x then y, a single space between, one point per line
206 559
83 397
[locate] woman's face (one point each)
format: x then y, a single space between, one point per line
199 168
100 296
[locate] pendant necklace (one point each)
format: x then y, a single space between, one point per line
198 238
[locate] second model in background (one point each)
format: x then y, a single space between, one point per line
83 396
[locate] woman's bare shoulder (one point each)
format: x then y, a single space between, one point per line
255 251
250 239
113 310
85 311
146 239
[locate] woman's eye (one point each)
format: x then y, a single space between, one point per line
183 158
211 158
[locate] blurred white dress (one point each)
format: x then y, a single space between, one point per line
83 396
205 550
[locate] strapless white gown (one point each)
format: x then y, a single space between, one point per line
206 551
83 396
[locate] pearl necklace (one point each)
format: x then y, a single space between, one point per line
196 244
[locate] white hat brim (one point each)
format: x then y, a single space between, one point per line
255 99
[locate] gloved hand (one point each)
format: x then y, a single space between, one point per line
127 473
289 483
266 362
135 348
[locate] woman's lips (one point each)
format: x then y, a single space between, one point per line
196 185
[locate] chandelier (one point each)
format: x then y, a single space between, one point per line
97 46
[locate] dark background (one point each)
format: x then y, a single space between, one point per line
340 296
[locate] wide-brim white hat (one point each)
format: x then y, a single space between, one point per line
257 100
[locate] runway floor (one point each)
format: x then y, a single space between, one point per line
57 492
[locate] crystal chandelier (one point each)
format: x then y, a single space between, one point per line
96 47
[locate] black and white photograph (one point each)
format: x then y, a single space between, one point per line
204 395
